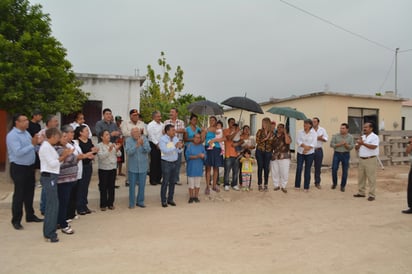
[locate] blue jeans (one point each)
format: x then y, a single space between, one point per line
318 164
263 162
306 159
83 188
49 184
42 201
140 178
169 170
63 190
340 157
179 164
231 163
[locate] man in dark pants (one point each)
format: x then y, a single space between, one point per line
409 193
21 150
317 161
155 132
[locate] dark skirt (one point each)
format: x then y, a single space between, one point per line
214 157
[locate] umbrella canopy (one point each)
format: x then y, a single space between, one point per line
288 112
205 107
243 103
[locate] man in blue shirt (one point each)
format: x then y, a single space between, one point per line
21 151
169 146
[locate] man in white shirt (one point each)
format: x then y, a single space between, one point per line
134 122
155 132
179 126
322 138
368 148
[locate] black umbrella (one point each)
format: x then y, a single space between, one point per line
288 112
243 103
205 107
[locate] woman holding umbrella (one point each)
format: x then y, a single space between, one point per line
264 138
214 159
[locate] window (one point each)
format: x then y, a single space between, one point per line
358 116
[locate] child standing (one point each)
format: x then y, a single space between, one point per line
247 169
195 156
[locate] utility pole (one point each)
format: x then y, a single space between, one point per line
396 71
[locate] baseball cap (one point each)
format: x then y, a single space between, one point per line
118 118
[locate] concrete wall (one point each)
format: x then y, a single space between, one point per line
407 113
119 93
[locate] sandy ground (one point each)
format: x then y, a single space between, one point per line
323 231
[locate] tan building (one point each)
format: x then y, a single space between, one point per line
407 115
332 109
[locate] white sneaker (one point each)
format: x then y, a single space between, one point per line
236 187
227 188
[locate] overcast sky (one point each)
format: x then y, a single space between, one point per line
264 48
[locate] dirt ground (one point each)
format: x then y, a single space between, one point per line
323 231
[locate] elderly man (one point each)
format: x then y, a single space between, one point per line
134 122
368 148
108 124
21 151
322 138
155 132
180 131
342 143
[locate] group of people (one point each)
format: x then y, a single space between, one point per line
64 157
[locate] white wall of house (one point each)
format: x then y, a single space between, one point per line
117 92
407 113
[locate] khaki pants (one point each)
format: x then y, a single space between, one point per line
367 171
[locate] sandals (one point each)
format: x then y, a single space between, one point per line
216 188
207 191
68 230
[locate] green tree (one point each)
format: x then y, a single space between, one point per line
34 71
161 89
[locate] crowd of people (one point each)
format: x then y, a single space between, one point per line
65 156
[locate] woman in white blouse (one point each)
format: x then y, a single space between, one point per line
306 142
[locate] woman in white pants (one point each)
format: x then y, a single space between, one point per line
280 158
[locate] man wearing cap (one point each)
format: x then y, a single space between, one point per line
34 123
120 140
180 131
133 123
108 124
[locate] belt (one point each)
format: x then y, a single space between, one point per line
318 148
169 161
45 174
364 158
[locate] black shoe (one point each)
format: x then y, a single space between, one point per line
370 199
52 240
88 211
196 200
164 204
318 186
172 203
333 187
116 186
17 226
126 184
359 196
142 206
407 211
342 188
191 200
34 219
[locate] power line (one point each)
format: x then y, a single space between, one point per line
405 50
339 27
387 74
